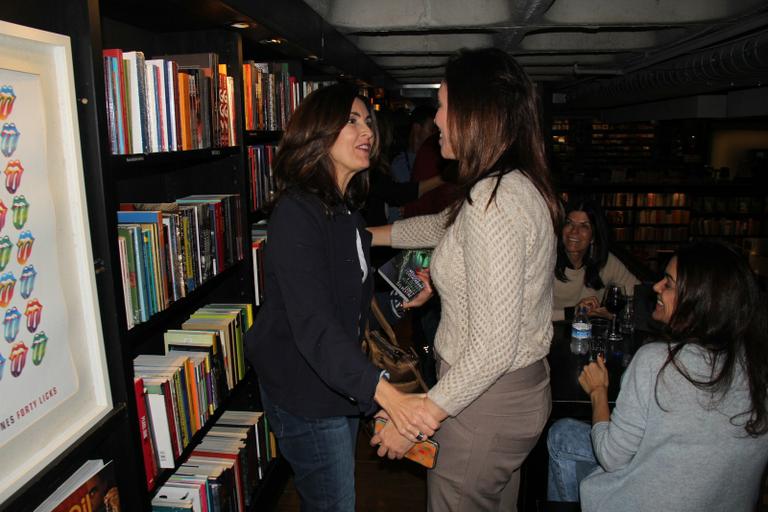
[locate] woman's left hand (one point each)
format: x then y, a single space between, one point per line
425 294
390 443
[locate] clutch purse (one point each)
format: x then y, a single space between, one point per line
424 452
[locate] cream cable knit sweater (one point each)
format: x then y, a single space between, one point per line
493 269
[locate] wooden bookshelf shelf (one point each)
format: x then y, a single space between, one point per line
127 166
255 136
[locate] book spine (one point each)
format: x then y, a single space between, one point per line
150 465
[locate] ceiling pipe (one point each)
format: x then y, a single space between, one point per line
578 70
740 63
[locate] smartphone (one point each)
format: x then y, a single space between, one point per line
424 453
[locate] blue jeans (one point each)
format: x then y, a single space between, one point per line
321 453
571 458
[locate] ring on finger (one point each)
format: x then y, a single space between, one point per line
420 436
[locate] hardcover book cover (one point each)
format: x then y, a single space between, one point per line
400 272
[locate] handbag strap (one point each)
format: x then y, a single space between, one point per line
381 319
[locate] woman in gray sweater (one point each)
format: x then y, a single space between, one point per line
688 430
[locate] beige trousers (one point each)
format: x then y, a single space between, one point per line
483 447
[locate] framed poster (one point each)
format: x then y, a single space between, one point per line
53 377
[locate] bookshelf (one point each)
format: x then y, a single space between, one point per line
651 220
157 28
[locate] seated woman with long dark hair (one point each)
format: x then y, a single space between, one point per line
584 264
688 430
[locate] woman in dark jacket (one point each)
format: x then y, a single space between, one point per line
305 345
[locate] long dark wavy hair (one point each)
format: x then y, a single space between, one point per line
303 159
721 308
597 255
494 125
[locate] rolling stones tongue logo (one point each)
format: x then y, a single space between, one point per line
6 248
27 281
33 312
9 139
26 240
18 358
20 210
7 285
13 172
11 323
2 366
7 99
38 347
3 214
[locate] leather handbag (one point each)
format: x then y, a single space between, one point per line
384 351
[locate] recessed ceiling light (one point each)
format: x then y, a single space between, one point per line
239 24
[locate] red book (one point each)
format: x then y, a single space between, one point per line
150 468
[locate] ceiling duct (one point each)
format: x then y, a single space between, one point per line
729 66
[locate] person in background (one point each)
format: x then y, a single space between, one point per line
688 430
314 380
421 126
492 265
584 264
428 164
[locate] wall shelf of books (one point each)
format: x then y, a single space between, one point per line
652 220
178 132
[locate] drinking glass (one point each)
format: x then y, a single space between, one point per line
627 317
614 301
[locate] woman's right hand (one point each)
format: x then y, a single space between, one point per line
593 307
409 413
425 294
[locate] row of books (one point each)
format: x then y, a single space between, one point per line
657 233
271 94
724 205
179 391
223 470
260 169
169 249
663 216
662 199
168 103
727 227
258 241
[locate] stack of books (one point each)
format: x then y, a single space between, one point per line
169 249
272 93
168 103
178 392
224 469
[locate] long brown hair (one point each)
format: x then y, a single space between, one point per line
303 159
493 122
720 307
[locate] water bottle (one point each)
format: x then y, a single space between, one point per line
581 332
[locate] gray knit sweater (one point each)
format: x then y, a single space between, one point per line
493 269
688 457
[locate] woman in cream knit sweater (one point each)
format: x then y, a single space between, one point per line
492 265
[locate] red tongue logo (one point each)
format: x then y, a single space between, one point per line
7 99
13 172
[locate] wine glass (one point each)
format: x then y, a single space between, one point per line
614 301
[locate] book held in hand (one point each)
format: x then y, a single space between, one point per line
400 272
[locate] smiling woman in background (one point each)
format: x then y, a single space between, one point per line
584 265
688 432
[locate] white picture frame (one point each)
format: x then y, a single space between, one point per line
39 63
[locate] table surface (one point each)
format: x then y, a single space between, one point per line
565 366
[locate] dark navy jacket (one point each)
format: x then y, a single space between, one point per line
305 343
